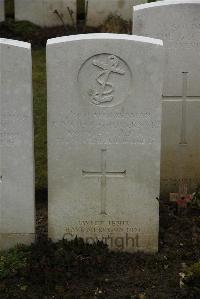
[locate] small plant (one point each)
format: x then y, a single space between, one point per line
195 202
190 280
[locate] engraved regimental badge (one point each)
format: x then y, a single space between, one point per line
104 80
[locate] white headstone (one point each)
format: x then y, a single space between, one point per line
180 161
177 23
2 11
104 115
99 10
45 13
17 213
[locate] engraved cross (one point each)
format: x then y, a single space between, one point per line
103 174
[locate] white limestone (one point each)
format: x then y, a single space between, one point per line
2 10
177 24
104 139
17 213
42 12
99 10
180 161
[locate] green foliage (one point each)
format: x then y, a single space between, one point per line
21 28
40 117
13 261
192 278
25 27
194 270
195 202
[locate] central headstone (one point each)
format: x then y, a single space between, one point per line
104 139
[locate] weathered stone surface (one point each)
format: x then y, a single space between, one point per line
104 115
17 212
42 12
99 11
177 23
180 160
2 11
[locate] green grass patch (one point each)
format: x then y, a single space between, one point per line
40 117
23 27
193 276
20 28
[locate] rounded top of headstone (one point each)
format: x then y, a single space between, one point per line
164 3
104 36
15 43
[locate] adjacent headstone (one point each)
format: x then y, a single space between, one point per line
177 23
104 139
99 11
17 213
2 11
46 13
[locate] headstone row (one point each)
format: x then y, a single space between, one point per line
104 123
104 128
47 13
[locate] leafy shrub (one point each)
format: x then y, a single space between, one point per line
13 261
195 202
192 280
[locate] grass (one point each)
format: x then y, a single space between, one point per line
40 117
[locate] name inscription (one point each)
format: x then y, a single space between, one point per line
181 35
107 128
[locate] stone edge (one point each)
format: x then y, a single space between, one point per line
164 3
15 43
103 36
